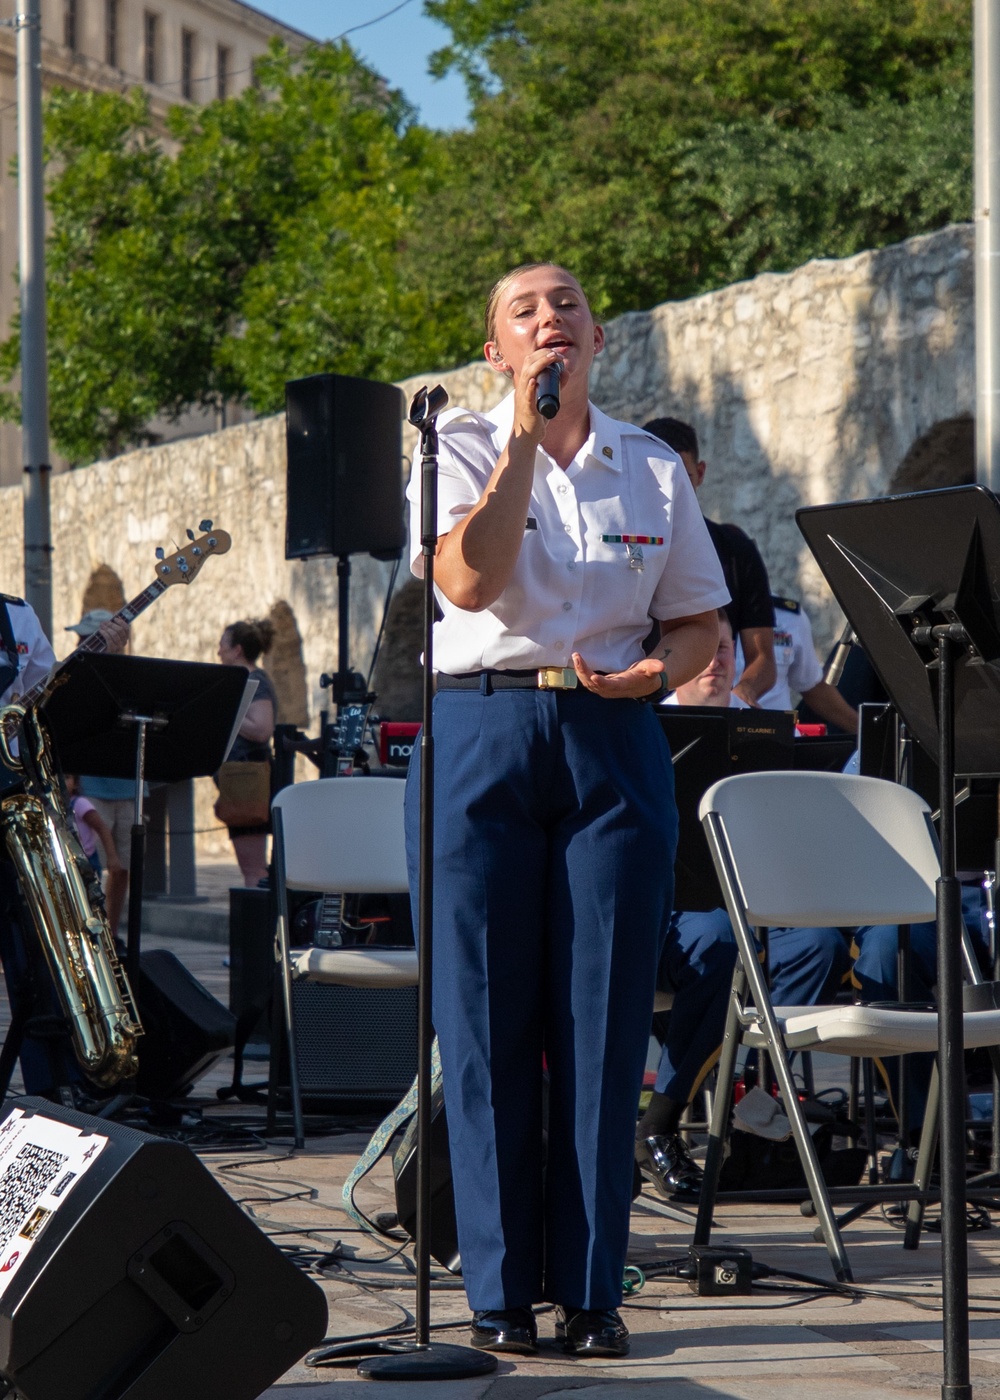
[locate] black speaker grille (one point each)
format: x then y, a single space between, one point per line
345 478
355 1042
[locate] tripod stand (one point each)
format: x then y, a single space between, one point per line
914 576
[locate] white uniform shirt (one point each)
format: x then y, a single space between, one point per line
572 589
35 656
735 703
794 656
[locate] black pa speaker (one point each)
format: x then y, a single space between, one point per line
355 1042
128 1273
186 1028
443 1242
345 478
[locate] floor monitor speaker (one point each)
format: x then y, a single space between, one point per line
345 477
128 1273
186 1028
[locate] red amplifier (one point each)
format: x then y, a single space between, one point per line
395 744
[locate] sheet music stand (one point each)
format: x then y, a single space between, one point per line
914 576
142 718
706 745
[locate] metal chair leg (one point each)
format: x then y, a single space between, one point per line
719 1127
285 959
925 1161
871 1132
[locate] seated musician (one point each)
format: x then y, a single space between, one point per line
875 974
806 967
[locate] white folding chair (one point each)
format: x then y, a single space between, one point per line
336 836
808 849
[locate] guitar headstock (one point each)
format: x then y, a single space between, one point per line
183 565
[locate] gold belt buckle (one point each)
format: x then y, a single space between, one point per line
557 678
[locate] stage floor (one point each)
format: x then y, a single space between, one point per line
771 1346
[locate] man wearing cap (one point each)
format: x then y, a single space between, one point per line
113 798
26 657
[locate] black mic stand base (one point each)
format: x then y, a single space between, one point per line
435 1361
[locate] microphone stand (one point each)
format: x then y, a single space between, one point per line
421 1360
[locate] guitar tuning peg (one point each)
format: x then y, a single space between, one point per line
160 552
205 525
190 534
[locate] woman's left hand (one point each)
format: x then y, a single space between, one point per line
641 679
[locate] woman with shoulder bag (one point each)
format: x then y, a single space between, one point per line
244 780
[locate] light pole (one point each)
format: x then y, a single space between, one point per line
34 360
987 204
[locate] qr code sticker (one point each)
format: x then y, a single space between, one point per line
24 1181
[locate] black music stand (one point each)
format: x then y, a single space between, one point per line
142 718
914 575
706 745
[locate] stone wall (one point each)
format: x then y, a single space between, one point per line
840 380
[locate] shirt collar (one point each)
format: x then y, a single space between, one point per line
603 444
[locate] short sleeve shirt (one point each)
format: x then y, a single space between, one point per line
794 656
746 578
735 703
611 541
35 656
88 836
244 749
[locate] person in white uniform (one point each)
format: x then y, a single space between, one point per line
806 968
799 669
553 801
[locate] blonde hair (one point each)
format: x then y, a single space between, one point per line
499 287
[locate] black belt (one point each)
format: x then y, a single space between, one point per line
538 678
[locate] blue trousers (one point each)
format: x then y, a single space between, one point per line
806 967
555 834
875 973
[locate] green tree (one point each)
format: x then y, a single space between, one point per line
259 246
665 147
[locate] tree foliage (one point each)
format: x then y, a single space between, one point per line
258 245
658 147
666 147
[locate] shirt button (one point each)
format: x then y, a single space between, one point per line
562 488
567 607
568 529
571 564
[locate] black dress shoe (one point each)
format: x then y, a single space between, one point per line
505 1329
666 1162
591 1332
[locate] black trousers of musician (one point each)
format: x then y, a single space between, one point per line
555 833
46 1057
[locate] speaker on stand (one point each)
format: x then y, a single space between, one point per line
128 1273
344 489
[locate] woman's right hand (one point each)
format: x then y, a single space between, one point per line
528 422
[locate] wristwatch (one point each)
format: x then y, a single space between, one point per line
656 695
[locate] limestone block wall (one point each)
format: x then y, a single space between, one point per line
810 387
840 380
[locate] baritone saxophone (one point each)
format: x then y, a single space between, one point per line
63 895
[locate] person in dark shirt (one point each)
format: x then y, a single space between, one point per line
750 610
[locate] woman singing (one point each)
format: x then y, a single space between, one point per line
555 824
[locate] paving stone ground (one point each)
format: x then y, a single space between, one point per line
794 1345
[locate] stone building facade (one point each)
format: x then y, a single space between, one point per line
840 380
